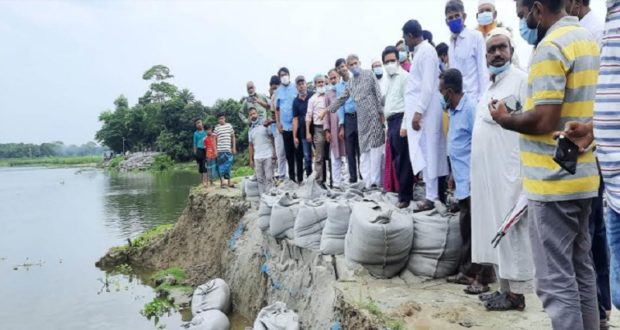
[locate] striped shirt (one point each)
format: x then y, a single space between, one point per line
224 135
607 108
564 72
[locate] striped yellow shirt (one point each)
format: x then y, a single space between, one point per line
564 71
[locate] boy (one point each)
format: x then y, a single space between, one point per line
199 151
211 155
226 148
261 150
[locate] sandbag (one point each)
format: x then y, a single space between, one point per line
283 214
249 188
309 224
437 244
264 210
379 238
208 320
276 317
310 189
214 294
336 226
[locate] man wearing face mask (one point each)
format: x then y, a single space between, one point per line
377 69
332 130
467 51
300 108
347 119
587 18
256 101
487 16
423 114
317 108
562 86
285 95
496 179
403 55
365 90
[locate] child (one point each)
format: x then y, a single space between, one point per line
226 148
199 151
211 156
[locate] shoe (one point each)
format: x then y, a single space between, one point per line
425 205
403 205
506 302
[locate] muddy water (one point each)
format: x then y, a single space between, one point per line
54 225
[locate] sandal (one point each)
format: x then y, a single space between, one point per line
489 296
425 205
460 278
476 288
506 302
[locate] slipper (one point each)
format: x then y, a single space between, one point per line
506 302
425 205
476 289
232 186
459 279
489 296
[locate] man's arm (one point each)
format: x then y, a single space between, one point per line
233 142
340 100
543 119
295 128
251 152
262 101
581 134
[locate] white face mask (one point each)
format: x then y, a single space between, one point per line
391 68
321 90
285 80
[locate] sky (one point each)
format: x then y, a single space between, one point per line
62 63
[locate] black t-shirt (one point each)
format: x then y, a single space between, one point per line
300 108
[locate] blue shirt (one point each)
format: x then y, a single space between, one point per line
285 95
300 108
199 137
349 105
459 144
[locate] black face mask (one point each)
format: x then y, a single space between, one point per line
379 76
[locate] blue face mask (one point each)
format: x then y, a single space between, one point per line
485 18
529 35
356 70
402 55
495 70
456 25
444 103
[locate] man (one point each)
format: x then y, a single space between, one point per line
317 106
300 107
467 51
462 109
332 130
487 17
423 114
559 203
347 115
199 150
226 148
442 54
285 95
394 111
278 142
365 90
255 100
496 179
587 18
260 150
377 69
403 55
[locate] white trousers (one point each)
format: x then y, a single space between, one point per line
281 168
336 170
431 186
370 166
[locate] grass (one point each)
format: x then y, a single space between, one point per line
375 310
51 161
177 272
145 238
179 276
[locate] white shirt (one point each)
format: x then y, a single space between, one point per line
467 53
395 94
595 25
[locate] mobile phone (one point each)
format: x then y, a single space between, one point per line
512 104
566 153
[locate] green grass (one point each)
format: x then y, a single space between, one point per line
242 171
113 164
145 238
51 161
177 272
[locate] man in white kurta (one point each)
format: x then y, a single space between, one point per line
496 178
423 112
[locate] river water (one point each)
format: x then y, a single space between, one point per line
55 223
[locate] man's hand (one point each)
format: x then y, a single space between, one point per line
403 133
296 141
309 137
415 123
252 163
279 127
328 136
451 184
498 111
322 114
234 151
341 133
580 133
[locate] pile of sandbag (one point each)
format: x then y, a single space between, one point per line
249 188
264 209
283 214
210 304
309 224
437 243
379 238
336 226
310 189
276 317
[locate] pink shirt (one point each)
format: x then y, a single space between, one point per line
316 105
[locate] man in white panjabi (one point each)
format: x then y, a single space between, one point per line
423 113
496 179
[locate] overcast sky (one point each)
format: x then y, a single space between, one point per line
64 62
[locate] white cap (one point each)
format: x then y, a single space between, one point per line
499 31
486 2
376 59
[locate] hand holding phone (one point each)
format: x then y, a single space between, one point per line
566 153
512 104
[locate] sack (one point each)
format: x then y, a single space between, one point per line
309 224
336 226
437 244
283 214
214 294
276 317
379 238
264 210
249 188
310 189
209 320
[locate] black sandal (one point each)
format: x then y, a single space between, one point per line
476 288
506 302
426 205
489 296
460 279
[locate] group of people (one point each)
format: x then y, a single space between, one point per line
467 117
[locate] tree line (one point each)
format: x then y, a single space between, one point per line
163 119
51 149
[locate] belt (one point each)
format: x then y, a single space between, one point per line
319 126
395 116
352 114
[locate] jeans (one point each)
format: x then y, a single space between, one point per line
294 157
351 145
307 154
400 157
600 253
613 235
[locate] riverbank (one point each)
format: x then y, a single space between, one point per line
70 161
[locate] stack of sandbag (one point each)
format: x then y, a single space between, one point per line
437 243
212 319
309 224
249 188
276 317
310 189
336 226
283 214
379 238
264 209
214 294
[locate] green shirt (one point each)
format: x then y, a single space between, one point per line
262 111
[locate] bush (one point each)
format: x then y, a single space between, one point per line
162 162
113 164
